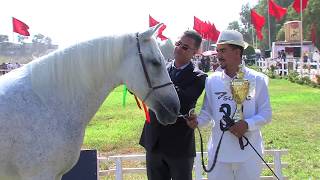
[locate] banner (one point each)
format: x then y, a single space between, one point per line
20 27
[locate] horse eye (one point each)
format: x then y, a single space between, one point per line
155 62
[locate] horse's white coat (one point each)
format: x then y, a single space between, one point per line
46 105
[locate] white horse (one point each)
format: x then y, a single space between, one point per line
46 104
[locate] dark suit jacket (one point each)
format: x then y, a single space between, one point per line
177 139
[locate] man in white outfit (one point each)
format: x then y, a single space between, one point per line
233 163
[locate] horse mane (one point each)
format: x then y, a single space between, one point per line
78 69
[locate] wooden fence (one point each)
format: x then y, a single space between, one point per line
290 64
118 170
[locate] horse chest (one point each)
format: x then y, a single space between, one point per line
39 133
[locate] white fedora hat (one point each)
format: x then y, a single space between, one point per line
232 37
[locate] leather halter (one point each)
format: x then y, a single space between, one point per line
152 88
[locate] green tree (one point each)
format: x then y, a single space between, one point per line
234 25
245 18
4 38
21 38
310 15
41 39
245 27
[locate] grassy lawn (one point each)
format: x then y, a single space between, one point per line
295 126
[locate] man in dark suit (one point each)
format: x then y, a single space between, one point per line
171 149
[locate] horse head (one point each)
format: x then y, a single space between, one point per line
150 81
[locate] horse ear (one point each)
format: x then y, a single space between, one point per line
151 31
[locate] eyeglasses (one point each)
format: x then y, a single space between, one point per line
183 46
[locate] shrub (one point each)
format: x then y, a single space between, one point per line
271 73
313 84
255 67
318 78
299 81
293 76
306 80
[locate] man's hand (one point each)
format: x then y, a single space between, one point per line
192 121
239 128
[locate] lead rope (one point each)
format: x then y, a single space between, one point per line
215 155
224 127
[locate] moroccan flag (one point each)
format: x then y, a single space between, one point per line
153 22
213 33
259 35
313 33
296 5
206 30
20 27
277 11
160 35
198 25
258 22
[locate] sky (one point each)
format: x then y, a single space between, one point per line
69 21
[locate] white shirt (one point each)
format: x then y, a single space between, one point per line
257 112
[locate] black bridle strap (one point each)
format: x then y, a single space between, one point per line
156 87
142 61
146 72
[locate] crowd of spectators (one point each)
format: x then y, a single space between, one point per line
206 63
7 67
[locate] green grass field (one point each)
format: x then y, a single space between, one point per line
295 126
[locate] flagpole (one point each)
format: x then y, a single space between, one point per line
252 33
256 40
208 44
301 39
269 27
12 30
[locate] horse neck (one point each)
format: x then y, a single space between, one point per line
86 72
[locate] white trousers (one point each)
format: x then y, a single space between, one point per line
248 170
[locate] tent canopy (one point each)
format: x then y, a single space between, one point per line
209 53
